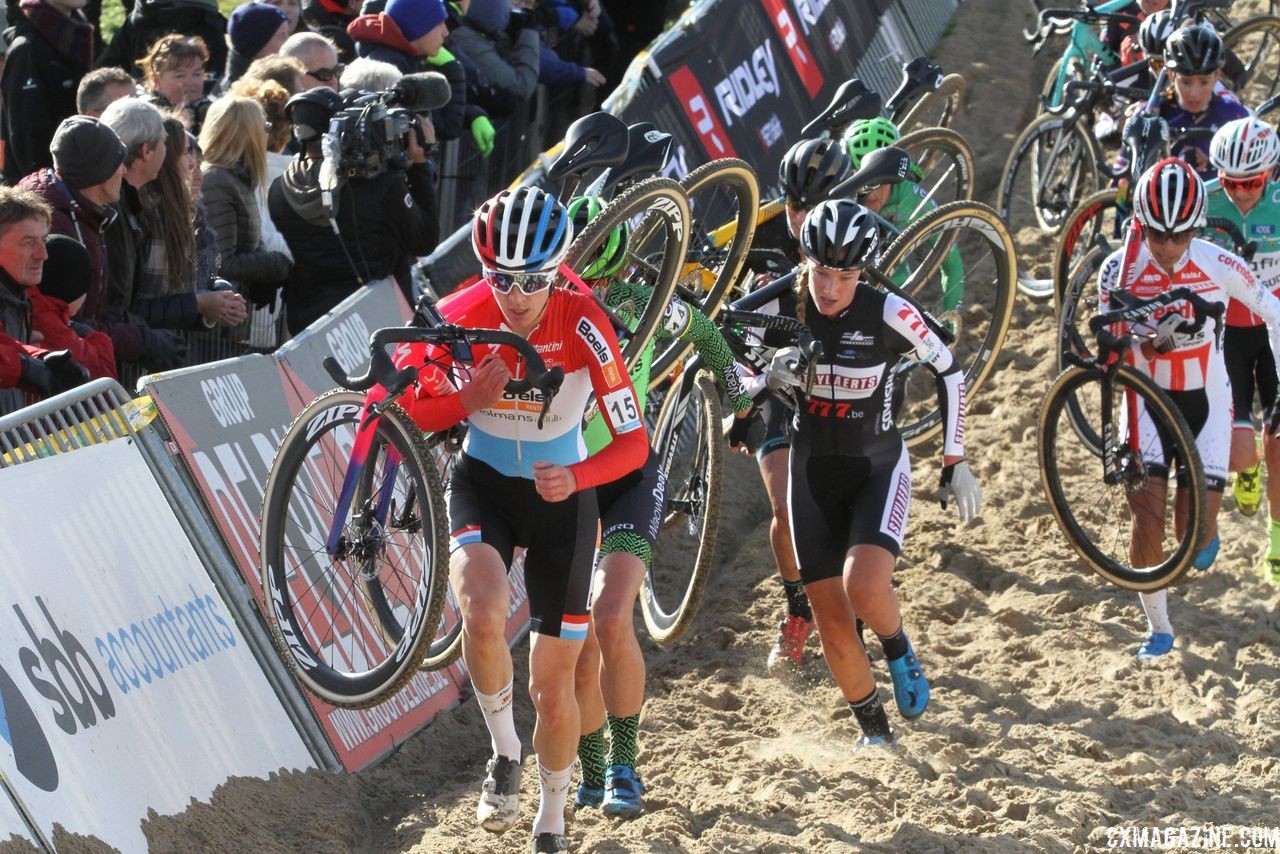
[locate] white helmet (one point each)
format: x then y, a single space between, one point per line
1244 147
1170 197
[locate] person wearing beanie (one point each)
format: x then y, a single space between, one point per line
254 31
81 188
62 290
402 33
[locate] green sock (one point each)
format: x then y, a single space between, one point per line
591 755
1275 539
623 736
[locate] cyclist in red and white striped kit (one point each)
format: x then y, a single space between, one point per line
1169 201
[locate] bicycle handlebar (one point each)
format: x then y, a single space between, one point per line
1095 90
1135 310
810 348
1049 20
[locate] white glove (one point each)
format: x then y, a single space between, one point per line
781 371
958 481
1172 332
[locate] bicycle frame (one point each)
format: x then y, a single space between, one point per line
1084 45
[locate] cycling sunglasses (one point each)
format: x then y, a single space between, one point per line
1178 238
528 283
324 75
1255 182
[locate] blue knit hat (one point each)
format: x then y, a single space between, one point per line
416 18
252 25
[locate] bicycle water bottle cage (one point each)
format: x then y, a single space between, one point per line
852 101
648 151
889 165
918 76
596 140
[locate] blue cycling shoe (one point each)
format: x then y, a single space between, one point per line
622 789
588 797
1156 645
910 687
1208 554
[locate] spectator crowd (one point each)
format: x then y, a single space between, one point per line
165 202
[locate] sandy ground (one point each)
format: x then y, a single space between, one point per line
1043 731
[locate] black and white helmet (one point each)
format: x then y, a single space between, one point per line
1170 197
1154 33
840 233
1244 147
810 168
1194 49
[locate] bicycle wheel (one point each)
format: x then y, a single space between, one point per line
724 197
1079 303
446 643
959 262
658 211
946 162
1257 43
1096 216
937 108
334 616
690 447
1052 167
1093 509
1051 91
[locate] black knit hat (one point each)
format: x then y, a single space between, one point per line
68 271
86 152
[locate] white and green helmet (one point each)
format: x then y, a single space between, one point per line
1244 147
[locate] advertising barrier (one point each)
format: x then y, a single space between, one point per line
117 656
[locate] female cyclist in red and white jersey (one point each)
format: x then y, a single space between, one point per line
1169 202
525 480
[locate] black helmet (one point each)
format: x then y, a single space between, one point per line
309 112
1194 49
840 233
811 168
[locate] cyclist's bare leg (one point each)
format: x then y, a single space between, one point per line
622 670
1271 451
1180 510
552 664
480 586
775 468
1244 448
866 589
1148 510
587 683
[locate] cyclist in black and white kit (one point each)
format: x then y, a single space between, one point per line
850 485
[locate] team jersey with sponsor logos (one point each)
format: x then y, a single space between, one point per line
1262 225
573 334
849 410
1216 275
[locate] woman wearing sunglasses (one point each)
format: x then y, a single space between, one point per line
524 478
1169 202
1245 153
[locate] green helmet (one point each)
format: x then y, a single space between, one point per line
609 257
867 135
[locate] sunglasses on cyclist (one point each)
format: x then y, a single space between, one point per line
1178 238
1255 182
324 75
528 283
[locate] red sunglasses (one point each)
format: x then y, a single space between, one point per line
1243 184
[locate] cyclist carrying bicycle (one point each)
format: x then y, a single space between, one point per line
808 172
850 484
525 479
611 669
1245 152
1169 202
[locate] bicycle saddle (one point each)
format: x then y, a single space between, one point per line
1146 136
919 75
647 153
595 140
890 165
852 101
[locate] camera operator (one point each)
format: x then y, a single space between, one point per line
377 220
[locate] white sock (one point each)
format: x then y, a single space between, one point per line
554 794
1156 607
501 721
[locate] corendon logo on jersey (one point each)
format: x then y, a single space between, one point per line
588 332
797 47
695 104
748 83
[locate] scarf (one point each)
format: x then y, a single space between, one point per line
71 36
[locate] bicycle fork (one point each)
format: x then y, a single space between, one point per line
372 518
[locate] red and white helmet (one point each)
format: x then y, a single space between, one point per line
1170 197
1244 147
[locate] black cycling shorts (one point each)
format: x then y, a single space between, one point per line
838 502
1252 369
634 502
1212 432
486 506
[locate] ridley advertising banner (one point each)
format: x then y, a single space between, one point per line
117 656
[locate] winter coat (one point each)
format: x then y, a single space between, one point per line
51 317
39 90
232 209
151 19
126 243
385 222
500 73
15 326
